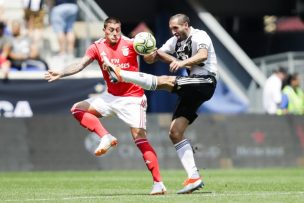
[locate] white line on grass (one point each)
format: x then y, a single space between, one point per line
211 194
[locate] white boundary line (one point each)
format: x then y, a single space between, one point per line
205 194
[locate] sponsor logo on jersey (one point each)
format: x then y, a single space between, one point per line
117 62
103 54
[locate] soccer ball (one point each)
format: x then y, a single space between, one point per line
144 43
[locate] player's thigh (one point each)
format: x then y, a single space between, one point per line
101 104
132 110
85 106
187 107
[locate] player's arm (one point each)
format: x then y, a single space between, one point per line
196 59
159 55
72 69
164 57
162 53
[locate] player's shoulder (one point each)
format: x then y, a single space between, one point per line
196 32
172 40
127 40
198 35
100 41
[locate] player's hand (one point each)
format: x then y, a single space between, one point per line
51 75
175 65
150 58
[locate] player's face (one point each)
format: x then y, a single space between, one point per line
112 32
180 30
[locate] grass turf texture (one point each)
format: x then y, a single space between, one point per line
236 185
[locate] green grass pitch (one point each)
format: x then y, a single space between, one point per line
233 185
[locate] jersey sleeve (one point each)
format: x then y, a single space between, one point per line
169 46
201 41
92 52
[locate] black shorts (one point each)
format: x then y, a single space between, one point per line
192 91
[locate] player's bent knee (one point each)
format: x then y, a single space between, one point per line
174 135
83 106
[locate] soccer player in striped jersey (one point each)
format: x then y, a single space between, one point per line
124 100
194 51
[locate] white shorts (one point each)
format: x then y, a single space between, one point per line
131 110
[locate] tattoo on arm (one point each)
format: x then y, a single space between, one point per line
77 67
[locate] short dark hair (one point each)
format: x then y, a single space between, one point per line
2 25
282 70
182 18
292 77
111 20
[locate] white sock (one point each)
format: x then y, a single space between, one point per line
185 154
144 80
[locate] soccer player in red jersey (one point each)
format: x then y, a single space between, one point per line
124 100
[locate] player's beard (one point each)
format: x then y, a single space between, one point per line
183 36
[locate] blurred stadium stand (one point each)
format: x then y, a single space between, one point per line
242 78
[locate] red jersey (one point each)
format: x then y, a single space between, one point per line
122 55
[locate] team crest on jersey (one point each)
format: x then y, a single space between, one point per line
103 54
125 51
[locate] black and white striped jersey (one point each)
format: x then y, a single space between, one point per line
198 39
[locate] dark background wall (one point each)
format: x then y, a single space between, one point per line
247 14
58 142
133 10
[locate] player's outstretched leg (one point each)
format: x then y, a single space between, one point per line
144 80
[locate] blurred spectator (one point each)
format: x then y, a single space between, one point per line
272 93
63 16
34 17
23 52
293 96
2 11
5 44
